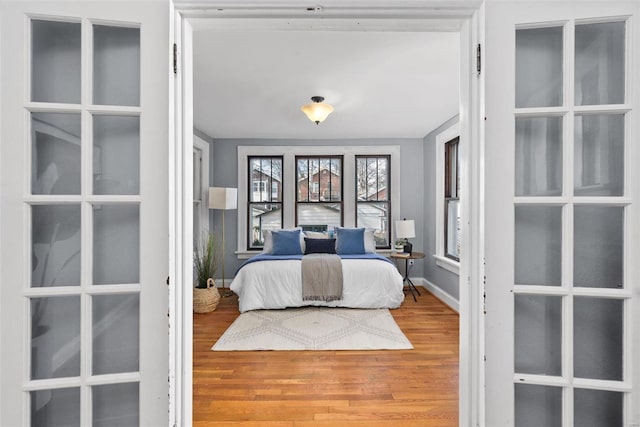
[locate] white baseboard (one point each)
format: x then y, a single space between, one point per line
443 296
220 284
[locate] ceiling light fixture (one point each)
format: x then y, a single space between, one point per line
317 111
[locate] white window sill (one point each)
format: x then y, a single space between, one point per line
447 264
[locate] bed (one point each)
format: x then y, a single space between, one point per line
273 279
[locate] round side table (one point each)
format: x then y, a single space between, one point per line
406 257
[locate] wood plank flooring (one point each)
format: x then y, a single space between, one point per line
399 388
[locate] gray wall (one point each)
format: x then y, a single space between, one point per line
440 277
197 132
224 173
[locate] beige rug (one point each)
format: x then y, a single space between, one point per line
314 328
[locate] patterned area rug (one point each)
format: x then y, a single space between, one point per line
314 328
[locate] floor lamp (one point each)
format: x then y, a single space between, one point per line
222 198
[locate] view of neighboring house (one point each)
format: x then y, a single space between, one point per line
321 186
374 215
319 199
262 184
373 194
265 196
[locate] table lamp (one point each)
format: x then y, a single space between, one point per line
406 229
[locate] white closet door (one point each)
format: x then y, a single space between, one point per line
562 217
84 222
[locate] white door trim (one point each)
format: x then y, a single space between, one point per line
471 273
181 226
467 18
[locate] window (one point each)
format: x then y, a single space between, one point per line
319 192
265 207
451 200
373 195
290 185
259 187
200 188
447 199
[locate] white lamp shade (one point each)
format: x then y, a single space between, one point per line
406 229
317 111
223 198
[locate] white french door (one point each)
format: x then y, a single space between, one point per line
84 221
562 217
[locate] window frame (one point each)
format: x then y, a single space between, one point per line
387 200
442 138
289 191
201 205
269 192
450 188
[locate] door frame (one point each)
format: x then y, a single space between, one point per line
464 17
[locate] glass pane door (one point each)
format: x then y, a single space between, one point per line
561 193
84 222
569 292
103 232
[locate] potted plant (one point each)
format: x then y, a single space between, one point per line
399 245
206 259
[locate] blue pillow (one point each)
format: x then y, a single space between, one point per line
286 242
319 246
350 241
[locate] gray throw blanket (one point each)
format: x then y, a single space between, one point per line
321 277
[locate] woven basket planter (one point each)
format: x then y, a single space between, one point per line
205 300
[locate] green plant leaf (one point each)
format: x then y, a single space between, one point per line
207 256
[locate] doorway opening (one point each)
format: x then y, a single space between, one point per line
465 28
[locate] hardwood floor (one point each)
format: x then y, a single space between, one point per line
397 388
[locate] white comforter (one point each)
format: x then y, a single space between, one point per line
367 283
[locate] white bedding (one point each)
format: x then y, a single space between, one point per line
368 283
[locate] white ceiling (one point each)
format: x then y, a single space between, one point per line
252 84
